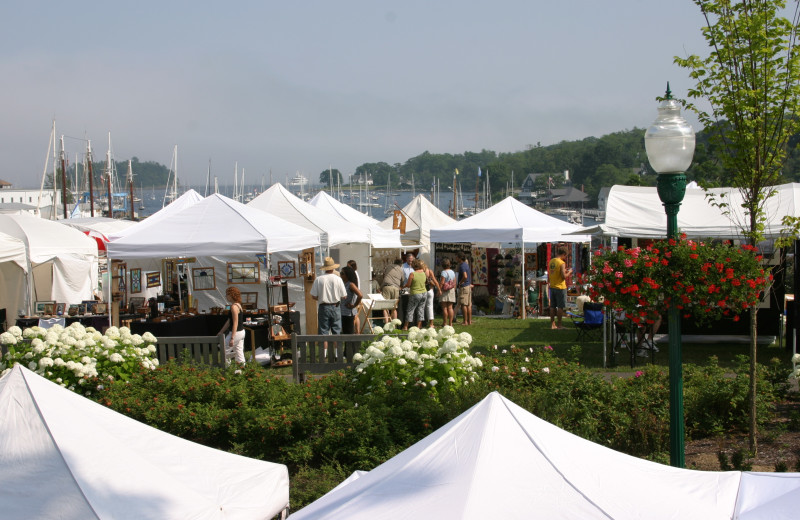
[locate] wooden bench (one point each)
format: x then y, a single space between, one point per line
309 357
206 350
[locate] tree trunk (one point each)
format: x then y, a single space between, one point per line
753 381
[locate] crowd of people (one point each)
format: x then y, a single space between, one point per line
409 280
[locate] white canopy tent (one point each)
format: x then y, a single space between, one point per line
421 216
189 198
60 262
67 457
379 237
219 229
508 221
341 239
334 230
13 275
216 225
496 460
637 211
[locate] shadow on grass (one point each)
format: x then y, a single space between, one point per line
487 332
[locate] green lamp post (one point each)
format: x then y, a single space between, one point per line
669 143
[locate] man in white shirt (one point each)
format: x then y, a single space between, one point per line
329 290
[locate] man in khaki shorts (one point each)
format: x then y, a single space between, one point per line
390 288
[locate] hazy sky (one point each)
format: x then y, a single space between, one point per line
300 85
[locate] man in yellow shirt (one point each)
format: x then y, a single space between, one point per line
557 274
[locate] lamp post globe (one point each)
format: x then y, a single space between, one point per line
669 143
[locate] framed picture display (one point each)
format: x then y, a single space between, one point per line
50 308
88 306
40 307
287 269
136 280
203 278
100 308
243 272
61 308
153 279
249 300
74 309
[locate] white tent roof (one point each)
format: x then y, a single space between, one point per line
189 198
216 225
496 460
103 225
67 457
637 211
379 237
12 249
421 217
508 221
277 200
46 240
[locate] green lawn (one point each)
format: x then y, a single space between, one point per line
503 332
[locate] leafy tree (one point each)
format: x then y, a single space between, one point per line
750 80
331 177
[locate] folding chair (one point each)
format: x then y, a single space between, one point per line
623 339
591 323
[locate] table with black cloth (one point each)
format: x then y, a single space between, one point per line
210 325
98 321
197 325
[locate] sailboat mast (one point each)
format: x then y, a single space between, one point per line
63 178
130 188
108 173
477 188
91 177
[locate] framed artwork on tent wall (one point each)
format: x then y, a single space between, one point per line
287 269
136 280
153 279
203 278
243 272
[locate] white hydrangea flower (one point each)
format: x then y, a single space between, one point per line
466 337
378 330
358 358
402 361
16 331
33 365
434 382
45 362
451 379
546 370
116 358
7 338
396 351
796 358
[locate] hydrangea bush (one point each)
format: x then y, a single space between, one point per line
434 360
75 356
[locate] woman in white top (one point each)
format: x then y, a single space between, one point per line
447 282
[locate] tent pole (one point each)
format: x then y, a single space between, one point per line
522 299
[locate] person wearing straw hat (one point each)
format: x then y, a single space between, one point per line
328 290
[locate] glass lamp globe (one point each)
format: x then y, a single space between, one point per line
669 141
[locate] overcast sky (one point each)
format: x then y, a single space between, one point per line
287 86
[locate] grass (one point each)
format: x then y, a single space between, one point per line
504 332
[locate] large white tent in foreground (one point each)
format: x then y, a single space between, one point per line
637 211
66 457
496 460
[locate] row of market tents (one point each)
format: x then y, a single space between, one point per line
67 457
216 231
42 260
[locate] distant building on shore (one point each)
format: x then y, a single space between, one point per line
33 201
